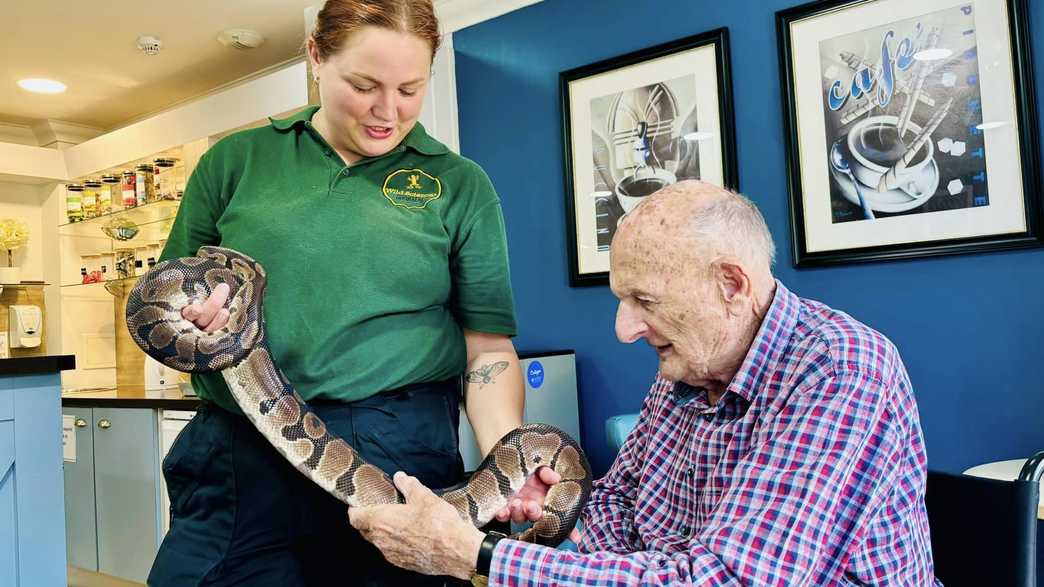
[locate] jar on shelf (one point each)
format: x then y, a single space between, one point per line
91 187
127 188
165 179
124 263
109 193
179 180
74 202
144 188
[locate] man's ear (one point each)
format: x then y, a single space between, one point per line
734 285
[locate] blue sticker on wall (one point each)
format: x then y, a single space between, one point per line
535 373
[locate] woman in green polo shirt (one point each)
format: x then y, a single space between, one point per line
388 284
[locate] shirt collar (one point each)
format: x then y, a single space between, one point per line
769 343
417 139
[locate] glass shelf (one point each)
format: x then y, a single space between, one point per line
23 285
117 282
155 214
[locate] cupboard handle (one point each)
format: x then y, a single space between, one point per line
81 423
104 424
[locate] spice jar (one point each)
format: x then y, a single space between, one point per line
74 202
165 179
127 190
144 188
91 188
109 193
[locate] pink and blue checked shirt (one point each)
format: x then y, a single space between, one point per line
810 470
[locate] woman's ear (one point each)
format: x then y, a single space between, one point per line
313 54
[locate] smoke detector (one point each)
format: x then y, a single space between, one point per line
149 45
241 38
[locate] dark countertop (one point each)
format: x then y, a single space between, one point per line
166 399
37 365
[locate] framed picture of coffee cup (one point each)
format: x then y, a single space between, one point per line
636 123
911 128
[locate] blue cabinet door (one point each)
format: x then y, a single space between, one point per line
30 428
126 478
81 531
8 506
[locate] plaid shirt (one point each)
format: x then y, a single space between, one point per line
809 470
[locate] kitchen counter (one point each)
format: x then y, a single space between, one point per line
36 365
32 525
165 399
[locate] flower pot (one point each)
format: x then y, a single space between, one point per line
10 275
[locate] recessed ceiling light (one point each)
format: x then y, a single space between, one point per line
42 86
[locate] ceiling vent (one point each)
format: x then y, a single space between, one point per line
241 38
149 45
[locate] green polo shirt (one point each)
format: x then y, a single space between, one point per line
374 268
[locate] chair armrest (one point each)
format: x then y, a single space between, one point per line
1033 469
617 428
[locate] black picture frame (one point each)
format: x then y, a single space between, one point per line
950 223
654 86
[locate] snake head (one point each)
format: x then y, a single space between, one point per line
154 310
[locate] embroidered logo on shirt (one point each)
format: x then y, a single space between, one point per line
411 188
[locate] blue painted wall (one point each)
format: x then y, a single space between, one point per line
969 327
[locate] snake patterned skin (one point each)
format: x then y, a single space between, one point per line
240 352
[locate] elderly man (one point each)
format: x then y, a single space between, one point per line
779 445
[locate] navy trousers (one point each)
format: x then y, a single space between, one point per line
242 515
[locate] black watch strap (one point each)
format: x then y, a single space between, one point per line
485 554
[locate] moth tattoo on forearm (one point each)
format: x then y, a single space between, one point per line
486 374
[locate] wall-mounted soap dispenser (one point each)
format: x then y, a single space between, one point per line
25 326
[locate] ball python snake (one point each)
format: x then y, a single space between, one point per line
240 352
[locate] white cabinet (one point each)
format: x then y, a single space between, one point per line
172 422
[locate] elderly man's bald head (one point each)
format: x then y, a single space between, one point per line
692 268
702 218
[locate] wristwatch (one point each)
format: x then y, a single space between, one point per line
480 578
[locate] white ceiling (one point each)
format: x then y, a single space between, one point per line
90 45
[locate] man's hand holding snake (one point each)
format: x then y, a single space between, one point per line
425 534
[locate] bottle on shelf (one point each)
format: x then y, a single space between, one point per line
83 275
74 202
139 268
